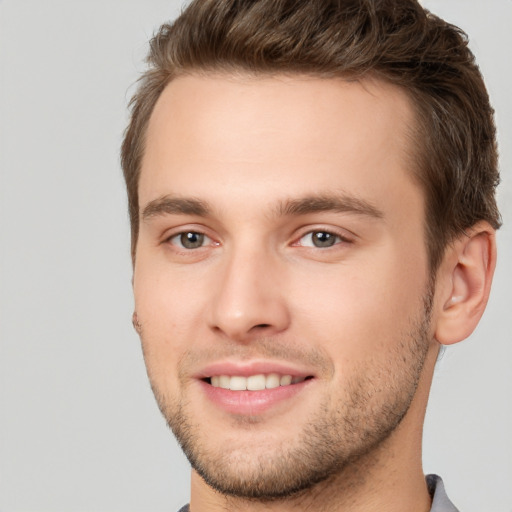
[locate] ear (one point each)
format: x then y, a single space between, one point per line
464 283
136 323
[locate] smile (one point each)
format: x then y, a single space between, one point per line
257 382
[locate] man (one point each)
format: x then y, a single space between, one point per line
311 190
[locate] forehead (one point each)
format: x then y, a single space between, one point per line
211 135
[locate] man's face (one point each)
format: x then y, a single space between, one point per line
281 249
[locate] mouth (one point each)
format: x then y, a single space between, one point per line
253 388
257 382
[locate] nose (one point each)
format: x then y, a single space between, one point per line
250 300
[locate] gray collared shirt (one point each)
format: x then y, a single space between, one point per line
440 501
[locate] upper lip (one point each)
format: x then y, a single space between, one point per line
248 368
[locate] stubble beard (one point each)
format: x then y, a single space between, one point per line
335 438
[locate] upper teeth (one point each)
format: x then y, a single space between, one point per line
254 382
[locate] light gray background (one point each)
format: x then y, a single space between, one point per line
79 428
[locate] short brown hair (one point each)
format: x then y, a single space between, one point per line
394 40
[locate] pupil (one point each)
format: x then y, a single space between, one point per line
192 240
323 239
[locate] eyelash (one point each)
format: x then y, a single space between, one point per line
330 237
180 240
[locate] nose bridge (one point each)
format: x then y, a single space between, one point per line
250 300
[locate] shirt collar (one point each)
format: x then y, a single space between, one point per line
440 501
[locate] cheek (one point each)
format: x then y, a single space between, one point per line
169 309
358 312
165 294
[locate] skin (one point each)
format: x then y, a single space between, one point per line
361 317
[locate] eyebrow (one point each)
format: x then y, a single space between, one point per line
169 205
340 203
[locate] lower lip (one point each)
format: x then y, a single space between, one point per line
252 403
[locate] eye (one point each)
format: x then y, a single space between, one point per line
190 240
320 239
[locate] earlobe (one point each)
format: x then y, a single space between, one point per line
466 275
